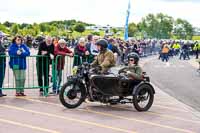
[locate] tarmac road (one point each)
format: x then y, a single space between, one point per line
178 78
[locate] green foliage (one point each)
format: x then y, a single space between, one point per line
79 28
14 29
114 30
132 29
196 38
151 26
183 29
96 33
3 28
8 24
156 26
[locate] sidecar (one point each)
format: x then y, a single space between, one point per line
115 85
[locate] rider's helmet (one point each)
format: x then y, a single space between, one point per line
103 43
135 56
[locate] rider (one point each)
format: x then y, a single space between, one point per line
105 60
133 70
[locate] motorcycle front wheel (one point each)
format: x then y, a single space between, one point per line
72 95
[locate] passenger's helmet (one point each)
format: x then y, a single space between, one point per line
135 56
103 43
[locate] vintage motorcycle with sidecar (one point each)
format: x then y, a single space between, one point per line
108 88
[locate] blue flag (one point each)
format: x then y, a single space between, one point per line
127 20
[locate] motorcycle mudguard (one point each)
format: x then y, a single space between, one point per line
74 80
142 83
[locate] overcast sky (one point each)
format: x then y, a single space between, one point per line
100 12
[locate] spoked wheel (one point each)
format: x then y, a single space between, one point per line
72 95
143 98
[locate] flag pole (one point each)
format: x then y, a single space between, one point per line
127 20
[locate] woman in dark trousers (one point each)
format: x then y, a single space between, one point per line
46 54
2 65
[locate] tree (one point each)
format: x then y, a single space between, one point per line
157 26
79 28
149 25
114 30
183 29
3 28
14 29
36 29
23 25
96 33
132 29
165 26
8 24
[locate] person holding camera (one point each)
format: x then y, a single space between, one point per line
18 53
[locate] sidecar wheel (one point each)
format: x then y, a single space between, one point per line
72 95
144 93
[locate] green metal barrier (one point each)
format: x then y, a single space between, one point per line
37 72
60 74
69 64
79 60
32 72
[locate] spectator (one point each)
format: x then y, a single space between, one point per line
2 64
46 53
91 47
165 52
80 52
184 52
55 41
18 53
197 49
112 46
62 50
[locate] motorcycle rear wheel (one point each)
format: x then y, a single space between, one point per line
143 93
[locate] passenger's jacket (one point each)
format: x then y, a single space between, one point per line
136 72
61 60
18 61
105 59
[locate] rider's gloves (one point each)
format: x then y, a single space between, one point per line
98 68
128 72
